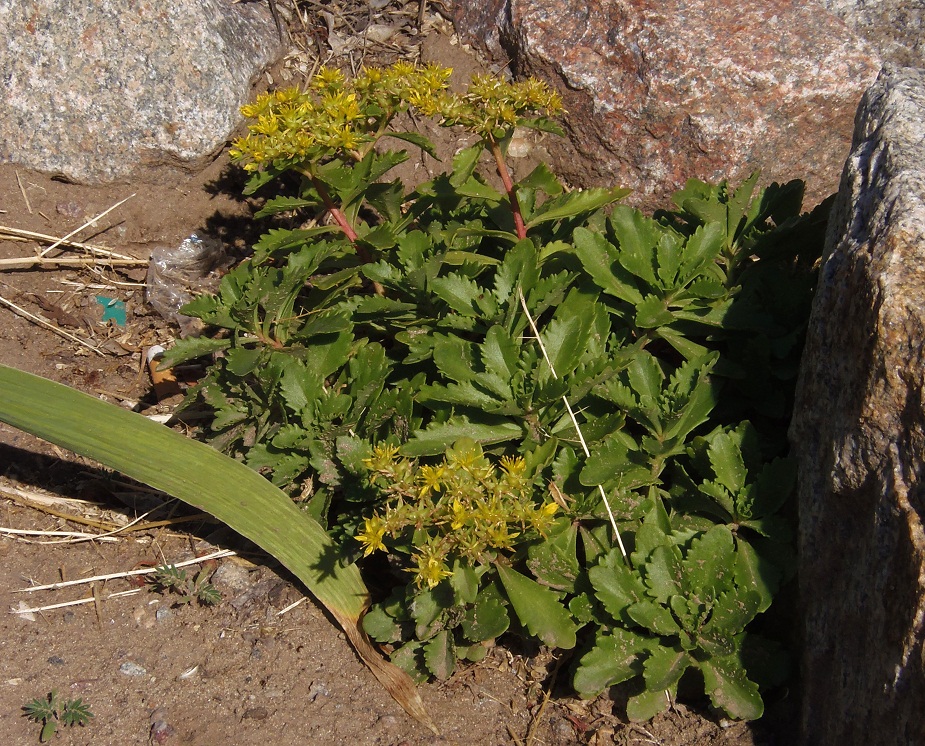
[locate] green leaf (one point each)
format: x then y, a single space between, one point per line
380 626
645 706
436 438
727 462
416 139
612 659
730 689
665 666
539 609
283 204
554 561
616 586
542 179
460 293
575 203
599 259
464 163
756 572
652 312
486 619
440 655
190 348
710 562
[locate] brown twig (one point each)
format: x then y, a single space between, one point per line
90 222
41 322
20 234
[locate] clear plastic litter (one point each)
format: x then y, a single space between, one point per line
177 274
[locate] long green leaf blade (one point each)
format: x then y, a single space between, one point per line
188 470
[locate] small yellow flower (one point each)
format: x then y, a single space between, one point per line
372 535
431 568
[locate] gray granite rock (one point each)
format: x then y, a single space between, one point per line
895 28
859 434
103 90
661 92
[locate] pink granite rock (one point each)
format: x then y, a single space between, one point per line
659 91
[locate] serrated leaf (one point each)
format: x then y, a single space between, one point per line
242 360
645 706
436 438
616 586
539 609
190 348
416 139
380 626
727 462
464 163
543 179
613 659
554 561
458 292
637 236
730 689
701 249
654 617
664 573
710 562
566 336
440 655
756 572
599 259
572 204
283 204
652 312
500 353
732 611
664 667
486 619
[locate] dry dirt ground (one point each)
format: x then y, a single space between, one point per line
242 672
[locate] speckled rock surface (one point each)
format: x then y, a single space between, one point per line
100 90
659 92
895 28
859 434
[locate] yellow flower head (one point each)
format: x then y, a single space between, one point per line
372 535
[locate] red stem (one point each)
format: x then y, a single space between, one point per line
505 175
345 226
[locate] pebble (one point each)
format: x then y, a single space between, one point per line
318 689
56 660
132 669
231 576
163 613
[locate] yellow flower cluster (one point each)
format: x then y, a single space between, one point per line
464 507
335 117
492 107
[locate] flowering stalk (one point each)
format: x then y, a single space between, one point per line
505 175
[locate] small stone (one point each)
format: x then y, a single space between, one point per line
132 669
256 713
163 613
231 577
69 209
317 689
56 660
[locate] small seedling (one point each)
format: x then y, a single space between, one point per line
169 578
50 710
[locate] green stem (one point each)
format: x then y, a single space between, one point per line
505 175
